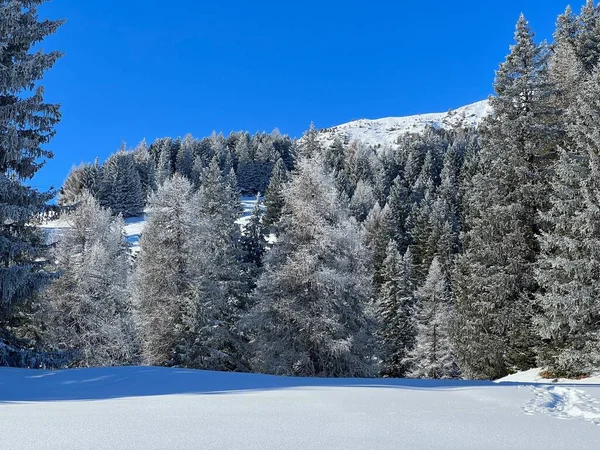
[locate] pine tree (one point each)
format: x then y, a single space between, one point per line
310 315
362 200
89 310
569 266
433 354
396 305
26 125
494 282
309 144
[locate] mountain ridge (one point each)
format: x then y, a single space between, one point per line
386 131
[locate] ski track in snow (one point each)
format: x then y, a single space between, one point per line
564 402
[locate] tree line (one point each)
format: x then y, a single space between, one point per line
466 253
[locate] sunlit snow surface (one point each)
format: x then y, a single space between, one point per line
159 408
385 132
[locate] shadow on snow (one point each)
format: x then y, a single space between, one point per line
25 385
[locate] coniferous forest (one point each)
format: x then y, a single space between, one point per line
466 253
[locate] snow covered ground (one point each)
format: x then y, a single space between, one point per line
157 408
385 132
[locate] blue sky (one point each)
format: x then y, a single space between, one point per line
138 69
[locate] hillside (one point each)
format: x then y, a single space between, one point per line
386 131
152 408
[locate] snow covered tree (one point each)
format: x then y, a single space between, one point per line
146 169
310 315
396 307
81 179
274 200
379 229
163 277
569 266
89 310
494 281
587 38
253 243
121 187
362 200
309 144
433 354
26 124
221 284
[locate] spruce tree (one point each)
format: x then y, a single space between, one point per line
121 187
26 126
494 281
433 354
569 266
396 305
274 200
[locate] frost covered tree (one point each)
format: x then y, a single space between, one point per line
145 168
274 200
310 315
362 200
220 283
121 187
163 277
433 354
569 266
89 311
26 124
253 240
396 309
494 281
81 179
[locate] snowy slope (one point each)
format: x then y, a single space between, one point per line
385 132
157 408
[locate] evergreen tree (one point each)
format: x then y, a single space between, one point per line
433 354
274 199
81 179
310 314
587 39
396 306
164 277
26 125
309 144
89 310
145 168
569 266
220 283
253 242
121 187
494 282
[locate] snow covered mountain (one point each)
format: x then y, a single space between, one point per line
386 131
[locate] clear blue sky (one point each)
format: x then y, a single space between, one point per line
146 68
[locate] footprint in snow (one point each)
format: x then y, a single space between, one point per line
564 403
